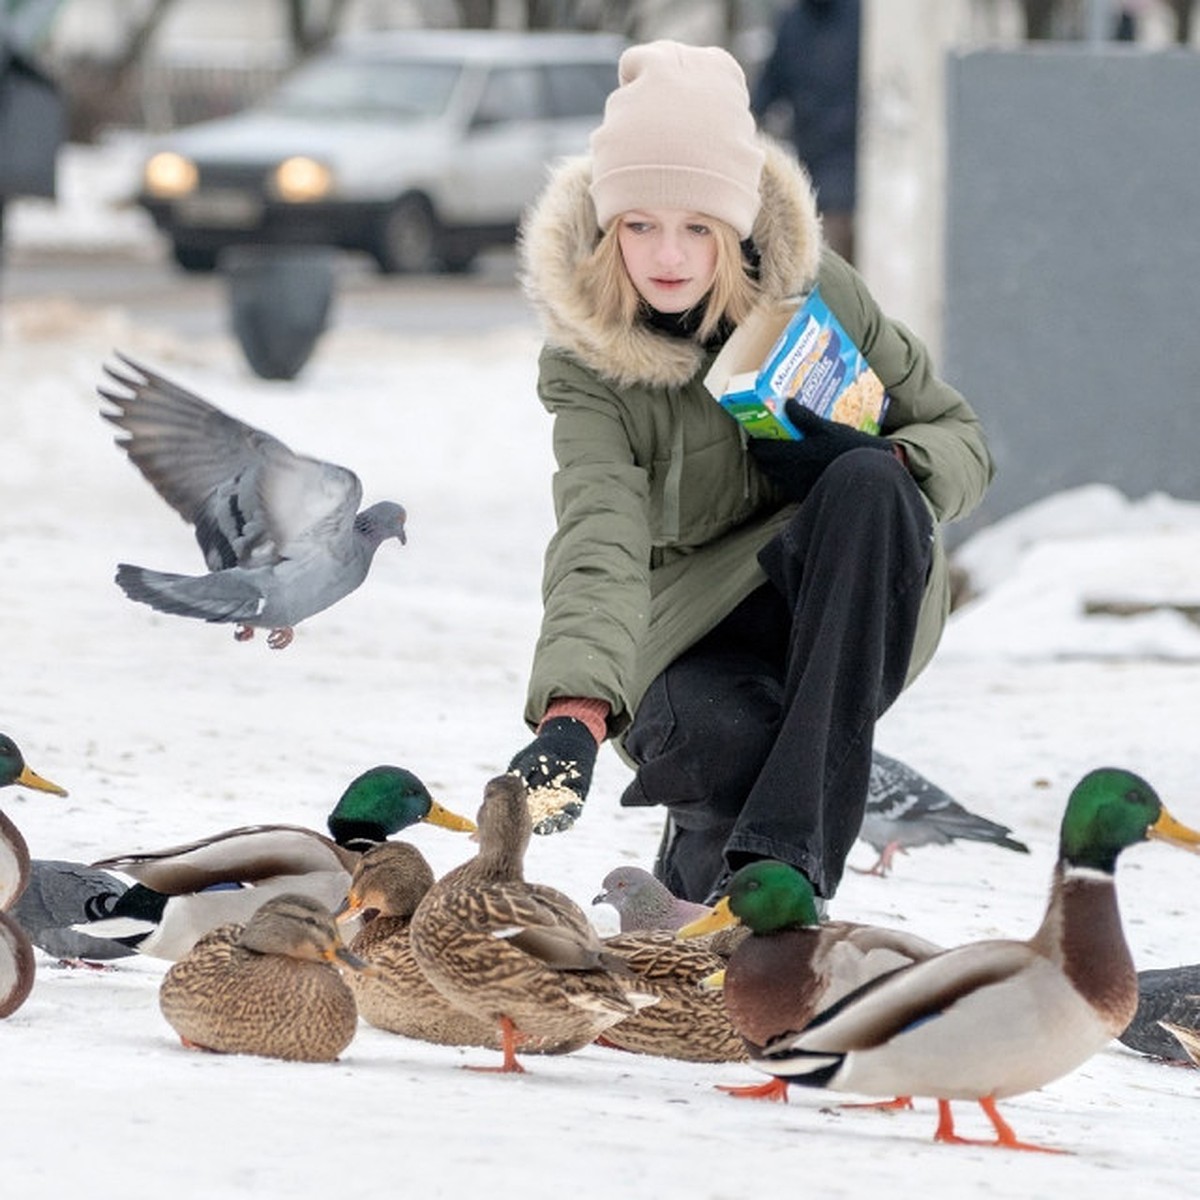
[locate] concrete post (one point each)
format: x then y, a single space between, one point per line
902 152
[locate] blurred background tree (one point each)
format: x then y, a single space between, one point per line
137 73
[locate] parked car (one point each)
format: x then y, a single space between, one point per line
419 147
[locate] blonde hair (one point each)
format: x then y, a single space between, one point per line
606 282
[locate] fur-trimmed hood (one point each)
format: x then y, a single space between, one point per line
560 231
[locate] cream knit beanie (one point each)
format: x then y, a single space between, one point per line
678 133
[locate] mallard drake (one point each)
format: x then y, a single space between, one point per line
644 902
791 966
388 883
269 987
16 953
184 891
517 954
904 811
689 1020
14 853
993 1019
17 966
1166 997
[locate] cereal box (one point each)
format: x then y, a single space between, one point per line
798 348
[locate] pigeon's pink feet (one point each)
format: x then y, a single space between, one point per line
277 639
243 633
884 865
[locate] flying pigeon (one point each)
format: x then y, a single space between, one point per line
281 533
904 810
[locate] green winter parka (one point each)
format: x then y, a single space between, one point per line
660 510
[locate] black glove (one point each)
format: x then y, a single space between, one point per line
557 769
794 466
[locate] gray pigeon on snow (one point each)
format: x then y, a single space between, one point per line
904 810
643 902
281 533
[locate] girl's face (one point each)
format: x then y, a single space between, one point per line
670 254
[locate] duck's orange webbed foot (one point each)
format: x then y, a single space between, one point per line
1004 1133
894 1105
510 1039
773 1089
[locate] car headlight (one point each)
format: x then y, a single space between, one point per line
301 180
169 175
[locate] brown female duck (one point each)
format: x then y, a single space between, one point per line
388 883
517 954
269 987
689 1020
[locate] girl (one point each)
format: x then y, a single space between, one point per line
736 613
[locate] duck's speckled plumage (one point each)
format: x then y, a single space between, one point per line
520 955
268 987
689 1021
388 884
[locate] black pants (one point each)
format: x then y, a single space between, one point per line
758 738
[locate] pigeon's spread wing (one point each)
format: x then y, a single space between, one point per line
185 447
251 500
306 502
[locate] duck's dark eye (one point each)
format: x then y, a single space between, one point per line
1138 797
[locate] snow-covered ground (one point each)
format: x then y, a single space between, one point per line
165 729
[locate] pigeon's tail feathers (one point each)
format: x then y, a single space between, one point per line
959 823
1009 843
216 598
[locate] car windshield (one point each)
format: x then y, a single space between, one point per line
367 89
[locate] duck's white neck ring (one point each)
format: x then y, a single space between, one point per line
1087 873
